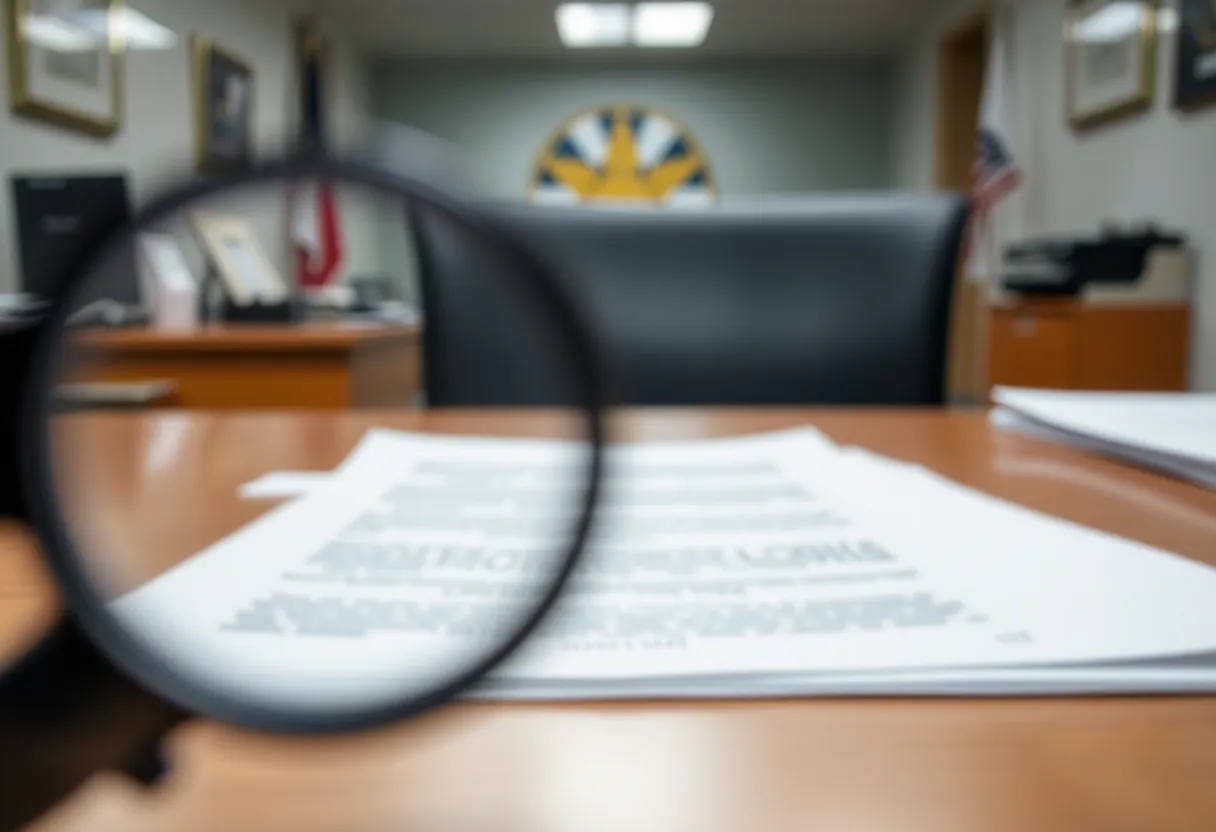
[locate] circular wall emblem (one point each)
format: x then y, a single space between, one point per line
622 154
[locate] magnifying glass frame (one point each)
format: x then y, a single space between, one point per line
125 649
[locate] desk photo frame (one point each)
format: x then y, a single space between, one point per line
239 261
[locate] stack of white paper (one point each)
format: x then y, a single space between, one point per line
1170 432
771 565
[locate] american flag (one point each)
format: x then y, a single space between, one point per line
315 224
995 173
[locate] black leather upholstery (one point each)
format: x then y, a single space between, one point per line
827 300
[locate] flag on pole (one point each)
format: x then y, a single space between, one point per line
315 224
996 172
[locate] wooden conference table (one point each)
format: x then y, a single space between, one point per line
942 765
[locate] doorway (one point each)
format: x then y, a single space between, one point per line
962 59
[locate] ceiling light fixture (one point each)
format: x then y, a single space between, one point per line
1113 23
137 31
58 35
679 24
1167 20
585 25
85 31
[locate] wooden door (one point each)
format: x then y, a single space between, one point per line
961 62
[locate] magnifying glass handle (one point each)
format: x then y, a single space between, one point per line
65 714
65 711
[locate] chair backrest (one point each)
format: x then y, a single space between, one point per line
828 300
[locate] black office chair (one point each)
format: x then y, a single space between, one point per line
839 300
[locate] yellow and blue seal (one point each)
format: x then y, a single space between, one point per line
623 154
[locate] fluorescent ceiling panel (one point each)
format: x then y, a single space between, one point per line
671 24
589 25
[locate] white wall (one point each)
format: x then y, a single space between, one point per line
155 144
766 127
916 98
1160 165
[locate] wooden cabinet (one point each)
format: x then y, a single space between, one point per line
1071 344
1030 350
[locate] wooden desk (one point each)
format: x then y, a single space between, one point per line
1080 765
277 366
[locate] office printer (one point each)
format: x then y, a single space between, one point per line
1146 266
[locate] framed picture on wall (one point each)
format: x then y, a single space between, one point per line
1195 70
66 63
1110 59
223 108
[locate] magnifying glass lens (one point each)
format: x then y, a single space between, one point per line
258 516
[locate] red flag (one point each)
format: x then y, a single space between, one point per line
316 233
314 225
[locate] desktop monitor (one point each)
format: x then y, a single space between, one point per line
54 215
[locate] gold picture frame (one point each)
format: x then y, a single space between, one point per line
310 39
224 99
1109 46
232 246
31 82
1195 54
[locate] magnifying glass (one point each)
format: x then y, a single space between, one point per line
407 570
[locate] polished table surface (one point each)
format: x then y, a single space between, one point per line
966 765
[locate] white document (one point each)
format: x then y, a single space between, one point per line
768 565
173 289
1172 432
279 485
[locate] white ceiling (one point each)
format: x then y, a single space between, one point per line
524 29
